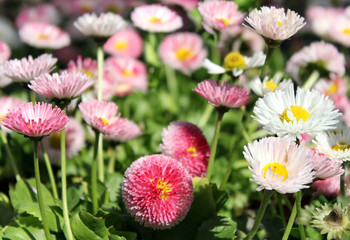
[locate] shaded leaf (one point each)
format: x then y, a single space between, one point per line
217 228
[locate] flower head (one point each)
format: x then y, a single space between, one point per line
35 121
156 18
43 35
130 131
5 52
6 104
283 113
157 191
269 84
219 15
325 167
187 5
223 95
183 51
330 187
340 31
86 65
27 69
279 164
186 143
45 13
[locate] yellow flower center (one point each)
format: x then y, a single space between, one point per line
128 73
346 31
193 151
104 121
42 36
224 21
234 60
121 45
276 168
341 146
55 141
332 89
184 54
297 111
279 23
155 20
87 72
1 117
270 86
162 188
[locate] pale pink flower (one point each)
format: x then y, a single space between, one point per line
157 191
75 7
5 52
43 35
86 65
102 116
223 95
45 13
325 167
125 43
183 51
6 104
188 5
67 85
4 80
156 18
324 55
340 30
27 69
35 121
75 141
330 187
273 23
219 15
131 130
186 143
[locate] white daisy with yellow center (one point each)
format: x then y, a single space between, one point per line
260 88
279 164
284 113
335 144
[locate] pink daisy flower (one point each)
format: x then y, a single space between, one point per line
43 35
188 5
86 65
102 116
157 191
219 15
27 69
330 187
35 121
125 43
186 143
75 141
183 51
131 130
340 31
4 80
5 52
45 13
156 18
325 167
6 104
226 95
67 85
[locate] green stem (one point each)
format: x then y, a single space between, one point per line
111 162
32 96
99 71
214 143
101 165
40 194
226 176
260 214
290 222
311 80
170 75
342 185
49 171
64 186
9 154
94 175
281 210
300 226
205 117
269 53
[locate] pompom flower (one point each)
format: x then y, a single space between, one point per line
5 52
219 15
125 43
273 23
157 191
102 116
43 35
86 65
131 130
156 18
102 26
183 51
279 164
269 84
283 113
186 143
223 95
27 69
35 121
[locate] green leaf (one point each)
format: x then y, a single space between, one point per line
124 234
313 233
21 194
217 228
113 184
89 227
6 210
73 197
151 55
114 237
219 196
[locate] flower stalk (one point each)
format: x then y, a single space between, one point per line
9 154
49 171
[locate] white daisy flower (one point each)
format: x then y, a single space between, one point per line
272 23
269 84
279 164
104 25
283 113
236 63
335 144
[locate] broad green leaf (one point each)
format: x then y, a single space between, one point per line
313 233
73 197
219 196
114 237
113 184
217 228
88 227
6 210
21 194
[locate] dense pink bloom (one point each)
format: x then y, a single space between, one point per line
86 65
226 95
102 116
187 5
5 52
131 130
44 35
183 51
45 13
186 143
67 85
36 120
157 191
156 18
125 43
219 15
27 69
6 104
